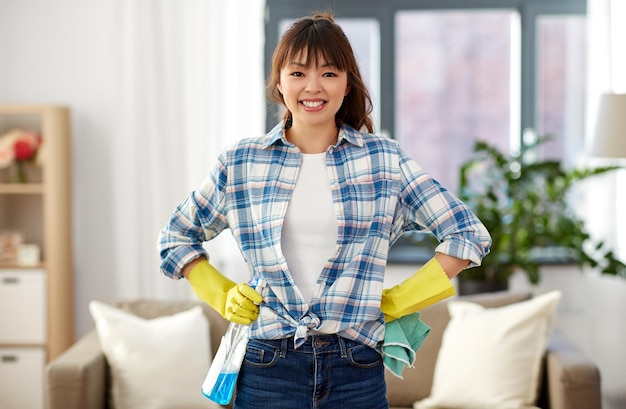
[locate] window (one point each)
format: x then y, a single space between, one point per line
453 85
457 71
561 73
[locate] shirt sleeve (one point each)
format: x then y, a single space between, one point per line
426 205
199 218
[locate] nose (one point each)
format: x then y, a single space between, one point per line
313 84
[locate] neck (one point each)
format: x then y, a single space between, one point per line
312 139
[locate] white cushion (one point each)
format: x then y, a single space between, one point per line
158 363
490 357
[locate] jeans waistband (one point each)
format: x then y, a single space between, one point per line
318 344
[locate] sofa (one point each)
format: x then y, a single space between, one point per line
80 377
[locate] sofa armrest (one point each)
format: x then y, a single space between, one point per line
573 380
76 379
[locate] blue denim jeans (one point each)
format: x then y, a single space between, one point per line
327 372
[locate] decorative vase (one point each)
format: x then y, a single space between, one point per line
17 173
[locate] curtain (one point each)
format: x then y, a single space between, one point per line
191 82
606 66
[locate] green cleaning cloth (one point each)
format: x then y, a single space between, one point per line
403 337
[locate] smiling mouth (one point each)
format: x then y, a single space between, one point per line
313 104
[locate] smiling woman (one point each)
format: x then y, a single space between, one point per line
313 95
315 205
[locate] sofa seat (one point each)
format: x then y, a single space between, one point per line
79 378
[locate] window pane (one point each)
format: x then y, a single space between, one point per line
453 86
364 36
561 84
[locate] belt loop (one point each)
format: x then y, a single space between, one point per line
342 347
284 343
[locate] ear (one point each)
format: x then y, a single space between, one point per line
280 88
347 91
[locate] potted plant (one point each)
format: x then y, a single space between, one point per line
524 205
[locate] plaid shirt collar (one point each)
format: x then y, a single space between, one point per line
346 133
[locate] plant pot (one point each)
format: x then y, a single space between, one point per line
468 286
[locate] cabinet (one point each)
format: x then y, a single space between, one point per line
36 301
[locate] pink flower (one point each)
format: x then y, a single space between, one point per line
6 156
31 138
18 145
6 148
23 150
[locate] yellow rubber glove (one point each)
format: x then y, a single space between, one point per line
425 287
238 303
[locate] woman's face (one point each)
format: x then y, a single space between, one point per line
312 94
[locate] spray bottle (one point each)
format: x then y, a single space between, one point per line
221 379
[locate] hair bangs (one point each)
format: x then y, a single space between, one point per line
312 42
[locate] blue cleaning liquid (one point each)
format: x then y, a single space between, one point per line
222 391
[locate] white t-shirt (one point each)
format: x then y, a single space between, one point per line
309 233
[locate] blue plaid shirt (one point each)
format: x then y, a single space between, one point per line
378 193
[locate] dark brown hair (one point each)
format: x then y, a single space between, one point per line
321 38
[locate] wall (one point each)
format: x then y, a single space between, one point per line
61 52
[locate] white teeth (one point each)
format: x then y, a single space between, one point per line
312 104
